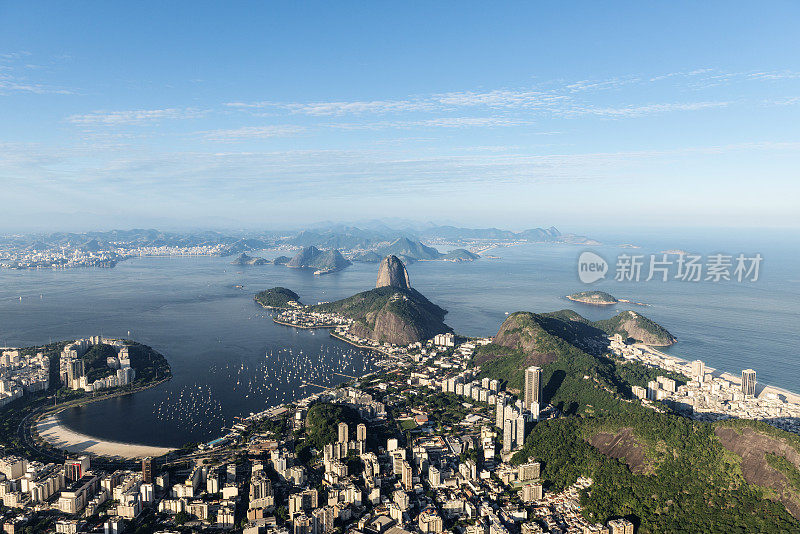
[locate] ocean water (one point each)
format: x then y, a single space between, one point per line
229 359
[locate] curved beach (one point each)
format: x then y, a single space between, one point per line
56 434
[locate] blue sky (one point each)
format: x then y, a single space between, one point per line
515 115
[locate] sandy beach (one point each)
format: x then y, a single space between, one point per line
51 430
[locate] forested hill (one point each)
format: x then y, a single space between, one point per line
397 315
665 472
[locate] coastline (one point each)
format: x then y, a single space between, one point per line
591 303
50 429
362 347
47 427
762 389
283 323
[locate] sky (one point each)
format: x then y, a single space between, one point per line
269 115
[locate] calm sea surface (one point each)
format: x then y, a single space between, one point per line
229 359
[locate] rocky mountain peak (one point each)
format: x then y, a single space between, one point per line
393 273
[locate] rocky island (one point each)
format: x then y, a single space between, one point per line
598 298
244 259
322 262
278 297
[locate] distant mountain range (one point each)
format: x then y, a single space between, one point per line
406 242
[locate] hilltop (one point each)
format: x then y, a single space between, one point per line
393 273
391 314
313 258
632 325
409 251
244 259
277 297
460 254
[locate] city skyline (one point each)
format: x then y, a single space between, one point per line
279 115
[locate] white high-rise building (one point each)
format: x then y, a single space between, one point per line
434 476
520 430
535 411
508 434
749 382
533 385
652 390
503 400
343 430
698 371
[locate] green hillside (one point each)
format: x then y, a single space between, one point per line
276 297
396 315
666 472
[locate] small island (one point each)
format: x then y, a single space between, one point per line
278 297
244 259
598 298
322 261
460 254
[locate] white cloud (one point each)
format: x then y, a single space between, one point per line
253 132
137 116
11 63
11 86
339 108
638 111
440 122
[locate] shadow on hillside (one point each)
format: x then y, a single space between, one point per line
552 386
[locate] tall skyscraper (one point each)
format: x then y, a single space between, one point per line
698 370
503 400
405 475
749 382
75 370
147 470
361 432
520 430
508 434
343 430
533 385
434 476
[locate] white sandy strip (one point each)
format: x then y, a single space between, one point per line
51 430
